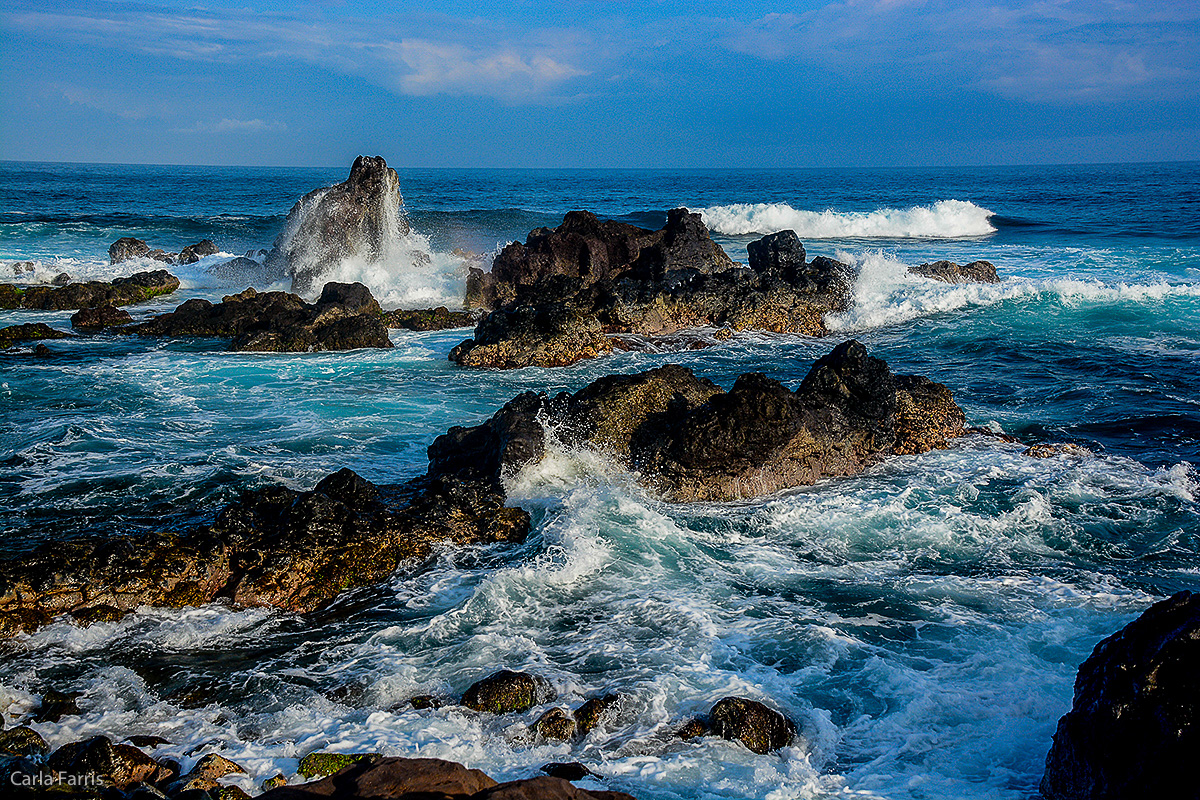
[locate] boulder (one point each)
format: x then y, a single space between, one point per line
61 279
378 777
562 297
121 765
753 724
354 219
318 765
22 741
117 292
555 724
29 332
949 272
568 771
346 317
244 271
126 249
506 692
105 316
1134 724
20 268
595 712
194 252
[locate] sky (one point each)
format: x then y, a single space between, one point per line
577 83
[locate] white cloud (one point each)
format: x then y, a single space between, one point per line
434 67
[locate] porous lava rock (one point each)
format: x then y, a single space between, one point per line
950 272
1134 725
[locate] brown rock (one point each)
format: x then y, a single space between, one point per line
949 272
378 777
555 724
505 692
752 723
97 317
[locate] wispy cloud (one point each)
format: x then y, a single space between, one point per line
434 68
233 126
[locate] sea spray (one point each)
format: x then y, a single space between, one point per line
945 219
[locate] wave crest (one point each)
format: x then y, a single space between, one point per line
945 219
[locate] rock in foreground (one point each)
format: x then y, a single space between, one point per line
692 441
1134 726
345 317
358 218
376 777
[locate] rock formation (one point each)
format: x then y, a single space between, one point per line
359 218
345 317
949 272
1134 726
692 441
117 292
562 294
128 248
28 332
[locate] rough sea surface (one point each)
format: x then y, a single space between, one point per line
922 622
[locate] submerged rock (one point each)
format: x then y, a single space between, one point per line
568 771
949 272
505 692
117 292
1134 725
345 317
56 705
563 294
692 441
358 218
753 724
595 712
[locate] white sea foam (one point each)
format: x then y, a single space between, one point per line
886 293
945 219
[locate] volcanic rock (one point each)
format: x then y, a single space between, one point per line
506 692
555 724
425 319
1134 725
105 316
949 272
751 723
346 317
691 441
56 705
118 292
194 252
591 714
126 249
357 218
563 294
28 332
273 547
123 765
23 741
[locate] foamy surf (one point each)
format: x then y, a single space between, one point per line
945 219
886 293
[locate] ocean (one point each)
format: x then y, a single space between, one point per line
922 622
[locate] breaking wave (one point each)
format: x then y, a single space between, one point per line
945 219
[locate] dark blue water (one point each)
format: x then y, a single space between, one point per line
922 622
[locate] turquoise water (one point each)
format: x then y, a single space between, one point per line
921 622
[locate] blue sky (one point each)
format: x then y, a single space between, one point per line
603 84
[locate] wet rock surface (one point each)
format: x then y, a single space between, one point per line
29 332
117 292
274 547
560 296
429 319
99 317
1134 725
950 272
692 441
345 317
760 728
352 219
506 691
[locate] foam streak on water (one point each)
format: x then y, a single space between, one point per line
945 219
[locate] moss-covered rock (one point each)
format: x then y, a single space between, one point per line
555 724
596 711
506 692
753 724
318 765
